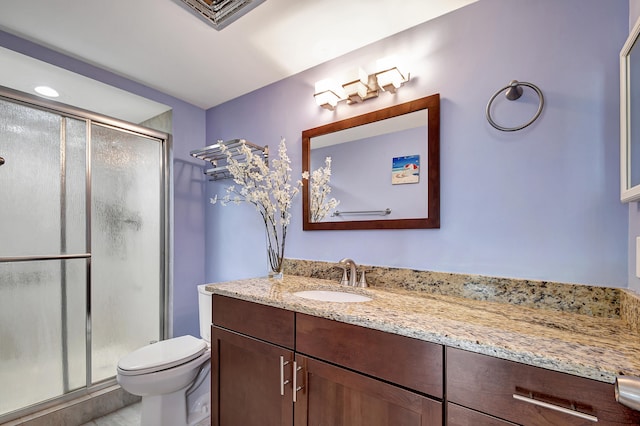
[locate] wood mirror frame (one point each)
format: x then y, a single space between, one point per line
629 113
432 210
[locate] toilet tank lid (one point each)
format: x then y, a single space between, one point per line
166 353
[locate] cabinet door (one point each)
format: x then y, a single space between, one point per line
461 416
329 395
249 383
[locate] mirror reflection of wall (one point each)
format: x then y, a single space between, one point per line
634 115
361 173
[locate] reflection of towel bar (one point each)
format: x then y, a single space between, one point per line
384 212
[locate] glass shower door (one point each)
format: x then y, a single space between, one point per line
126 245
43 274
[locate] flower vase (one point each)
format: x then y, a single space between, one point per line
275 257
275 252
276 267
275 275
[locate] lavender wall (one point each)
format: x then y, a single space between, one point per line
541 203
188 186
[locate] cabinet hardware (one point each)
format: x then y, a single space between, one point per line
296 388
282 380
555 407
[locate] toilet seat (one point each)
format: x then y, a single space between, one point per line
162 355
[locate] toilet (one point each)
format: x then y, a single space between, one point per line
173 376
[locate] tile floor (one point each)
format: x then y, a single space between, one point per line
127 416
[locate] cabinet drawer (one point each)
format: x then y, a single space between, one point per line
408 362
263 322
489 384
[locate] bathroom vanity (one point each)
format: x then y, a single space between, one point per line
407 359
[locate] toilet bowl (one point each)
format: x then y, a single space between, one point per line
172 376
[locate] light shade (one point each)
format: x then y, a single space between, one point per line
356 87
390 75
328 93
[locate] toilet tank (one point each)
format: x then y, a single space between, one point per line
204 310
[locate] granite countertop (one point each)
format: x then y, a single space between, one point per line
592 347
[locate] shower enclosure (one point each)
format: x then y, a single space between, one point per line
83 226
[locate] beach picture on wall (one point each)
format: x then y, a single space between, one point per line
405 170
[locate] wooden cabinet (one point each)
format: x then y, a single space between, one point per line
251 358
245 381
529 395
272 366
365 390
335 396
340 375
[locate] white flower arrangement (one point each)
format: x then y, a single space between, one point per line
320 190
271 191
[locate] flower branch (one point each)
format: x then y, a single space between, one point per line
270 191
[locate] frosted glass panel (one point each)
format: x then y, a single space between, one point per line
31 188
33 329
126 245
75 182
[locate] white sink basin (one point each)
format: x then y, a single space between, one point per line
332 296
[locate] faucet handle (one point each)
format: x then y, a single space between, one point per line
363 280
345 278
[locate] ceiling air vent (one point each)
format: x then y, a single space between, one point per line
220 13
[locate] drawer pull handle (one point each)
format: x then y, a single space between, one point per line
282 380
555 407
296 388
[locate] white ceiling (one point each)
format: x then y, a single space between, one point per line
165 46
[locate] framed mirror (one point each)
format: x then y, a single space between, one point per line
630 117
385 168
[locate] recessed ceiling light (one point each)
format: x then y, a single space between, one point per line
47 91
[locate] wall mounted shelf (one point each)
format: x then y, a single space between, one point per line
213 154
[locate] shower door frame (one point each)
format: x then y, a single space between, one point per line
90 118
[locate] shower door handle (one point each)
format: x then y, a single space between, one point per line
1 161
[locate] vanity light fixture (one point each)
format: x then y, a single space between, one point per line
361 86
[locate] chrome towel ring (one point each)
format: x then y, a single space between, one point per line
514 91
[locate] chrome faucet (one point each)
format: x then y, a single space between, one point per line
353 274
